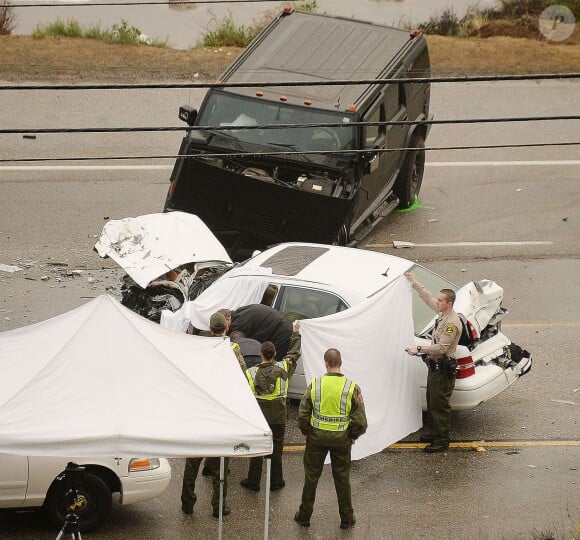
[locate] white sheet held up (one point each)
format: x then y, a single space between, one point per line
372 338
247 288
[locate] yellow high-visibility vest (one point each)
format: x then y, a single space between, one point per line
280 389
331 402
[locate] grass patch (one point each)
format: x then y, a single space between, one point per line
519 15
227 33
121 34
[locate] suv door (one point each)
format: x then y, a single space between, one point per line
373 141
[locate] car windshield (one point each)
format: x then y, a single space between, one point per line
423 315
222 109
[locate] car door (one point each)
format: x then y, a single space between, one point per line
298 302
13 480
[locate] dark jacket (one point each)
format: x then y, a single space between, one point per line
275 410
263 323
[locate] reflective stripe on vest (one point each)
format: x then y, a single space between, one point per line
281 388
331 402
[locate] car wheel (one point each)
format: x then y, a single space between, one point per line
95 501
408 182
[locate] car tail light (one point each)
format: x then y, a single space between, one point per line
143 464
465 367
473 335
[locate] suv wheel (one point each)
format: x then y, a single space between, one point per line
95 501
408 182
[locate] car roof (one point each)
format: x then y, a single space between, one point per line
315 47
360 271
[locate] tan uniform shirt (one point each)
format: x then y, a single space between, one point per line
447 332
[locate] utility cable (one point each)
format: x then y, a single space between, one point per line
289 153
261 84
288 126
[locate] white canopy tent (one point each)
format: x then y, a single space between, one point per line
101 380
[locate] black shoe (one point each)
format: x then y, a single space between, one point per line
187 508
226 511
277 487
436 447
426 437
347 524
301 521
252 487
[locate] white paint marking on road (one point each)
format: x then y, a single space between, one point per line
563 162
85 167
400 244
569 162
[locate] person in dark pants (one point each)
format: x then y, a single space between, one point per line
217 326
441 377
269 382
331 416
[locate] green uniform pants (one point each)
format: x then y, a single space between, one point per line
188 496
276 474
314 456
439 389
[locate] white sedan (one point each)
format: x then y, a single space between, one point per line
33 482
313 280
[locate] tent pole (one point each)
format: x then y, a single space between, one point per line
267 503
221 513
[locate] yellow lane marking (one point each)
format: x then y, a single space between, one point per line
539 324
464 444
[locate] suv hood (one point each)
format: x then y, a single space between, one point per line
148 246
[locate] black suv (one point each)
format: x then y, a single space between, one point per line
255 185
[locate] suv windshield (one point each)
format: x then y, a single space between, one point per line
222 109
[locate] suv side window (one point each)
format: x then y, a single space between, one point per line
303 303
373 133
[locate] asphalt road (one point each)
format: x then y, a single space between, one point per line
524 484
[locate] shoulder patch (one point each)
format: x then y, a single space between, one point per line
450 328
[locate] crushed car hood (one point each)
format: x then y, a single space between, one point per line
479 301
148 246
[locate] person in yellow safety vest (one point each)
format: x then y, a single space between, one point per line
217 328
331 417
269 382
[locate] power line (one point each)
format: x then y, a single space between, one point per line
261 84
286 153
287 126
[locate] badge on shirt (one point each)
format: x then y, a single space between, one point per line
450 329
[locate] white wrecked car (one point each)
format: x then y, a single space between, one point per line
314 280
169 258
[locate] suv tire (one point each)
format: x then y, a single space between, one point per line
408 182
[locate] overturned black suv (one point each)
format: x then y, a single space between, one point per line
255 186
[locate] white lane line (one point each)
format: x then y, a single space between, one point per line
85 167
573 162
400 244
570 162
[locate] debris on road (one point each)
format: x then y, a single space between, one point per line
9 268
